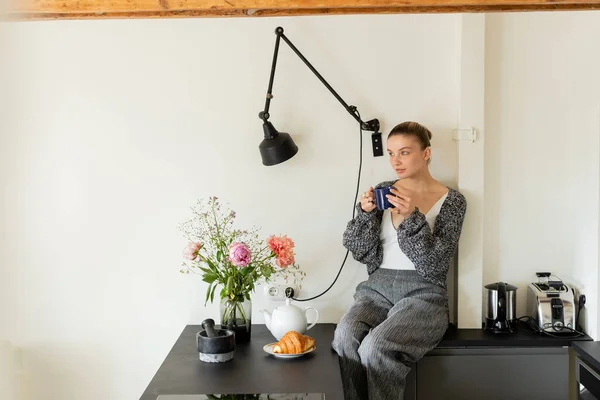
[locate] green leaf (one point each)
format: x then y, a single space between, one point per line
209 277
212 293
207 294
229 284
266 271
212 265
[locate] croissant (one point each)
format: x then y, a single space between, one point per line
293 343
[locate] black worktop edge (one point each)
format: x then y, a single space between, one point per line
522 337
585 352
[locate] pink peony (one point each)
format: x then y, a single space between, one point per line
191 251
283 248
239 254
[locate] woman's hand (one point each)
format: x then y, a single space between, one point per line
403 201
367 200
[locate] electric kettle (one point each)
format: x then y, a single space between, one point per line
500 309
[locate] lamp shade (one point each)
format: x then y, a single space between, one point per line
276 147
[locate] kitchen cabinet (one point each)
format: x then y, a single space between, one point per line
472 364
494 374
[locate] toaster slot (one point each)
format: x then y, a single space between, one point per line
557 310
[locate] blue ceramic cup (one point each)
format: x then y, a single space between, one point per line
380 199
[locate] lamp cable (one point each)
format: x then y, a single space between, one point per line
289 291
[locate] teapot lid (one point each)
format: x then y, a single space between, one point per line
496 285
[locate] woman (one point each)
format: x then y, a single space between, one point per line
401 312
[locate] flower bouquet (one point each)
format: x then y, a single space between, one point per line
234 260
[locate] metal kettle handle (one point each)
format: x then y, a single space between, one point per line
502 301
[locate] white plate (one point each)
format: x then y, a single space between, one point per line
269 349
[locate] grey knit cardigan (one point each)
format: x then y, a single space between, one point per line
431 252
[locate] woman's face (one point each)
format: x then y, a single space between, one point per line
406 156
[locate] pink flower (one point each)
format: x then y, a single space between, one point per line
283 248
191 251
239 254
285 259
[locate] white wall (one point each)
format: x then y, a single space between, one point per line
471 168
542 151
8 298
116 127
120 125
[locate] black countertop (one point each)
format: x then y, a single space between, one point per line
252 370
522 337
589 352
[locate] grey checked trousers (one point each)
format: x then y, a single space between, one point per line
397 317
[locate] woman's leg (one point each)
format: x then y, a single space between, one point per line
368 311
414 326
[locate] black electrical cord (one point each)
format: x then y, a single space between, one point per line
580 305
289 292
531 323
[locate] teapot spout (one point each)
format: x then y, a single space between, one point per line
267 316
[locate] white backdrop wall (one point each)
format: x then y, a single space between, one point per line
112 129
119 126
8 298
542 151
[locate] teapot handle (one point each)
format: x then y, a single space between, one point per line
316 319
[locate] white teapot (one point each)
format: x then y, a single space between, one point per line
288 318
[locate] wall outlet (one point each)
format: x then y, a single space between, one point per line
277 291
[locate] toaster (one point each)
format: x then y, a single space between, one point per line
551 303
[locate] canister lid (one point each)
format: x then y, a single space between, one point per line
495 285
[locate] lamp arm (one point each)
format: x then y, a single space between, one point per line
264 115
372 125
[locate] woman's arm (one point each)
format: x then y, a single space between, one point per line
361 237
431 252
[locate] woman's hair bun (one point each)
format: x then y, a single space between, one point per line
414 129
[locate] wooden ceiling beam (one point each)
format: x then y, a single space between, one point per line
25 10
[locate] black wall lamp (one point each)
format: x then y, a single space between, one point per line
278 147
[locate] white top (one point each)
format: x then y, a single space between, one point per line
393 257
